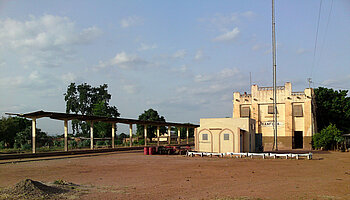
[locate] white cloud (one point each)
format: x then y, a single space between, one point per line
224 74
145 47
248 14
228 36
130 21
69 78
179 54
181 69
301 51
256 47
123 61
199 55
43 41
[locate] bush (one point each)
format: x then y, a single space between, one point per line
84 143
73 143
58 143
100 143
107 143
329 138
2 145
141 142
26 146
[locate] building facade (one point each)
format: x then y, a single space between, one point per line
222 135
296 122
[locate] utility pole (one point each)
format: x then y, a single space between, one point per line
310 81
274 78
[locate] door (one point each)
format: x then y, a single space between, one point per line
298 139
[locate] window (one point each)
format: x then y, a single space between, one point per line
204 136
245 112
226 136
297 110
270 109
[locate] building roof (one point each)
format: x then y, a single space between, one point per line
68 116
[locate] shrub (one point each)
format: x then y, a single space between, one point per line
141 142
73 143
107 143
84 143
2 144
58 143
100 143
329 138
26 146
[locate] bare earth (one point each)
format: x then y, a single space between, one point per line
135 176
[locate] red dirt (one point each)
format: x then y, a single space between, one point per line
135 176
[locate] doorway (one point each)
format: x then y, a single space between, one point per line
298 139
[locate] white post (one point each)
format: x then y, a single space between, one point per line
113 135
130 132
157 135
187 135
145 132
169 134
33 135
65 135
178 135
92 135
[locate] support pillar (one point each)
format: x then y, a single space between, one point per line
65 135
157 135
33 135
113 135
92 135
130 132
187 135
145 132
169 134
178 135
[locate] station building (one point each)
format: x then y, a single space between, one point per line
251 126
296 118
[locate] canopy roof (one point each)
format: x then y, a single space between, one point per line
66 116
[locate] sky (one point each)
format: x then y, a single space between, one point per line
182 58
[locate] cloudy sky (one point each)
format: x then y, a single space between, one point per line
182 58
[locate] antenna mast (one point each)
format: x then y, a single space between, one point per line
274 78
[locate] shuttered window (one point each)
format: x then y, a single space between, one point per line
297 110
226 136
204 136
270 110
245 111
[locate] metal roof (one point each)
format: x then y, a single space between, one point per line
68 116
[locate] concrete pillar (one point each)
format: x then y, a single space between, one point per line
157 135
178 135
169 134
195 140
92 135
145 132
33 135
65 135
130 132
113 135
187 135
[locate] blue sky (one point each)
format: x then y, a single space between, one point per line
182 58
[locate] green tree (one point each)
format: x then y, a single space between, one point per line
332 107
329 138
150 115
87 100
10 126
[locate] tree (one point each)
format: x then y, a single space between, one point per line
16 130
150 115
332 107
183 132
86 100
329 138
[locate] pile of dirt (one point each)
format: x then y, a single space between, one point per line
30 189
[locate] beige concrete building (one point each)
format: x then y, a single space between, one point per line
222 135
295 115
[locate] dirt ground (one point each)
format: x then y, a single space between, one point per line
135 176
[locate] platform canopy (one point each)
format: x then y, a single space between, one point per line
66 116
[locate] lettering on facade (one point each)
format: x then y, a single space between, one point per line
271 123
